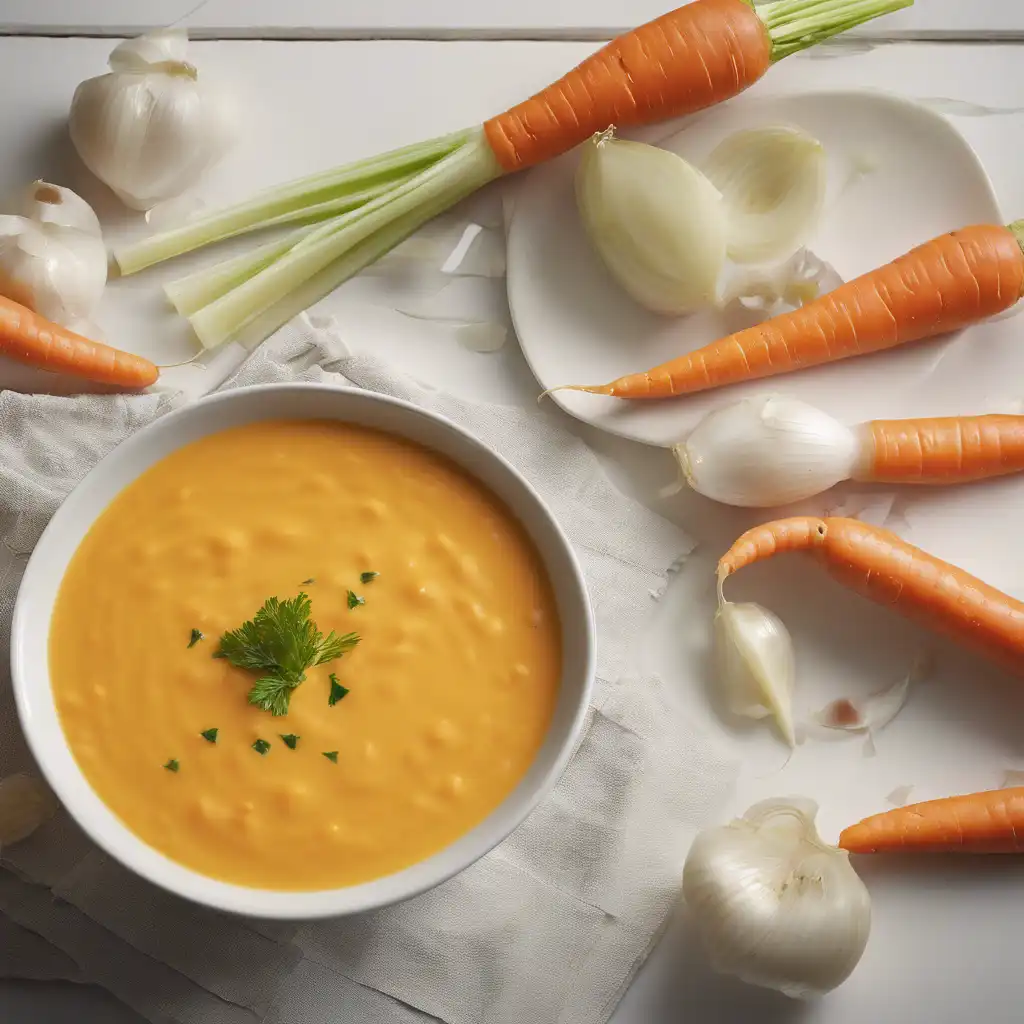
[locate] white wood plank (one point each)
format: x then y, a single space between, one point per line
552 19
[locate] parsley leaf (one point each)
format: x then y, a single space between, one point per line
368 577
354 600
281 642
306 583
172 765
331 755
210 735
291 741
261 747
337 691
194 638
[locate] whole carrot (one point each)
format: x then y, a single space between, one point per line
888 570
991 822
952 281
30 338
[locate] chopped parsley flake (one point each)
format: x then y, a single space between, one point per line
337 691
331 755
290 740
210 735
194 637
354 600
172 765
261 747
368 577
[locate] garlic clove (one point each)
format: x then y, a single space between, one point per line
775 905
25 804
767 451
772 182
656 222
148 130
60 207
159 47
755 664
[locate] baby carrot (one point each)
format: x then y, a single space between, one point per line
991 822
952 281
950 450
888 570
29 338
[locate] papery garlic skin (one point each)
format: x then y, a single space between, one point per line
25 804
767 451
773 904
656 222
755 665
53 260
772 182
150 127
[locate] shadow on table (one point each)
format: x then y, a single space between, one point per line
693 992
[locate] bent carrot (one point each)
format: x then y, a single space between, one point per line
880 566
949 450
30 338
952 281
991 822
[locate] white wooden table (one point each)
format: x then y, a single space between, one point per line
945 936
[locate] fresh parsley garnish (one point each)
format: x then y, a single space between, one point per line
354 600
210 735
291 741
331 755
194 637
337 691
172 765
261 747
368 577
306 583
281 642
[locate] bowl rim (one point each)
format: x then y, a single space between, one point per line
110 833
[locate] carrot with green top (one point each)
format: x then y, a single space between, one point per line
691 58
880 566
32 339
946 284
991 822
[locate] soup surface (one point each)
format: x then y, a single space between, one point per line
450 688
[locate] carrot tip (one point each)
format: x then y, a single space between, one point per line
595 389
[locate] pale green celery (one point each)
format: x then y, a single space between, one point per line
795 25
431 192
291 201
332 276
189 294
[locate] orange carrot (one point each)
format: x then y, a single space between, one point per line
953 450
684 61
889 571
30 338
952 281
991 822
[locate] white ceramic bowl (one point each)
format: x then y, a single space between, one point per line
50 559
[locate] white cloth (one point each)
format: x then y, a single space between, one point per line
550 927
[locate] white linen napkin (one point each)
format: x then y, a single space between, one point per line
550 927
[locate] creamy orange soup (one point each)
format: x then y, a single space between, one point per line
451 687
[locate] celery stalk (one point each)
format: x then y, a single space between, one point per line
289 201
427 194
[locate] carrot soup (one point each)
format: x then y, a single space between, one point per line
293 742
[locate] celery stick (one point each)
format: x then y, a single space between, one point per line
435 189
289 199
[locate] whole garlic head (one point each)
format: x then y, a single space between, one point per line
150 127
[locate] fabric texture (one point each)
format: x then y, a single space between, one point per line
550 927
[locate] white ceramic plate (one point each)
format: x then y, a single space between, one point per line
60 540
577 326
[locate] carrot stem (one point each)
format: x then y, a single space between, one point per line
795 25
1017 227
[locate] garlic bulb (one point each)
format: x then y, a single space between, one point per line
755 666
150 127
772 182
25 804
53 259
767 451
656 222
774 904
